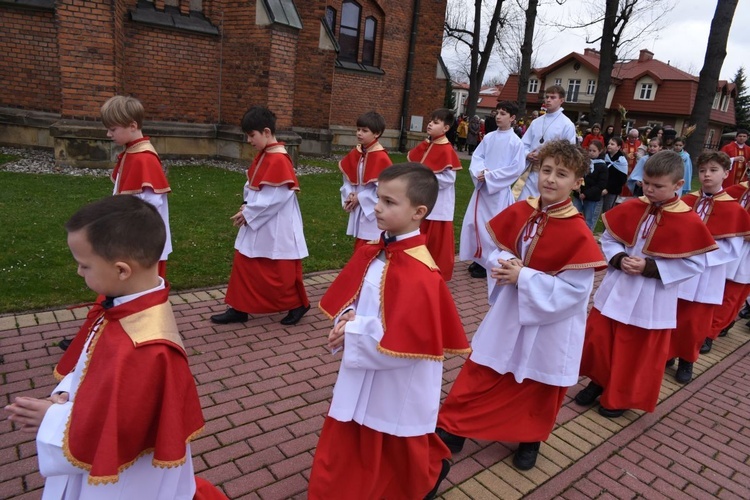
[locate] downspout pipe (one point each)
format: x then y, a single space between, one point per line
402 141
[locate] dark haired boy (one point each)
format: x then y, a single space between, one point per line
652 244
267 268
527 350
437 154
360 169
119 423
701 296
378 440
495 165
738 154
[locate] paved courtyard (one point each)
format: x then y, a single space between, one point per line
265 390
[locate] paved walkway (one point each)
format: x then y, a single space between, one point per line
265 390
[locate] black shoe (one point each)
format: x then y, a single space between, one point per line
525 456
670 363
706 347
453 442
606 412
295 315
443 473
725 331
64 344
229 316
478 272
588 395
684 372
745 311
473 266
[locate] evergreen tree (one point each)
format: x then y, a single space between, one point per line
449 101
742 102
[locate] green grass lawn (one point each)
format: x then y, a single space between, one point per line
37 271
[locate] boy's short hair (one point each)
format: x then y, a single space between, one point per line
445 115
509 107
718 156
122 227
122 110
741 131
259 118
421 183
372 120
663 163
555 89
570 155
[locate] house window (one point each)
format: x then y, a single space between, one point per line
646 91
574 86
591 88
725 102
558 81
349 31
533 86
368 50
331 18
717 98
710 141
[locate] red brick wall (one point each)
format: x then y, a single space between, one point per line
281 85
29 70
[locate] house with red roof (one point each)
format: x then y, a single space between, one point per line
488 98
644 92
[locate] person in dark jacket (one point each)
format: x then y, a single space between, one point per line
617 172
588 199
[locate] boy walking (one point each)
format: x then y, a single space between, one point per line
437 154
527 350
495 166
738 154
267 268
361 168
378 440
652 243
119 423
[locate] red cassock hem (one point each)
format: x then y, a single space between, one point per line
259 285
693 326
359 242
354 461
484 404
626 360
441 244
207 491
734 296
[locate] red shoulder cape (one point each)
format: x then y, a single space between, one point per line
139 167
376 160
562 240
137 394
418 313
725 218
678 232
272 167
738 191
437 155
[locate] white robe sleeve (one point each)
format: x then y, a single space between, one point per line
368 198
263 205
446 178
477 161
148 195
360 347
49 442
610 246
505 174
347 188
729 250
545 299
675 271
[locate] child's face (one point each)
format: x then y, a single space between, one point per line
678 146
711 175
504 119
741 138
394 210
594 152
661 188
121 135
365 136
612 147
654 147
553 102
101 276
595 130
259 140
436 128
556 181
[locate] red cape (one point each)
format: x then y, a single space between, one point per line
376 160
137 394
725 218
738 191
562 240
139 167
418 313
437 155
677 233
272 167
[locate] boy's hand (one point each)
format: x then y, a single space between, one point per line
28 413
336 337
238 220
581 196
507 273
351 202
633 265
480 177
533 156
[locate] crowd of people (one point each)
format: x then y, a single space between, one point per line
120 422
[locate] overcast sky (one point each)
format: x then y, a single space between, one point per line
682 40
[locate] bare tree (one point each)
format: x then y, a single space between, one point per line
526 54
716 51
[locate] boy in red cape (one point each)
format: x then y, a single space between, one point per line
120 422
437 154
652 244
395 319
701 296
360 169
527 350
270 245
